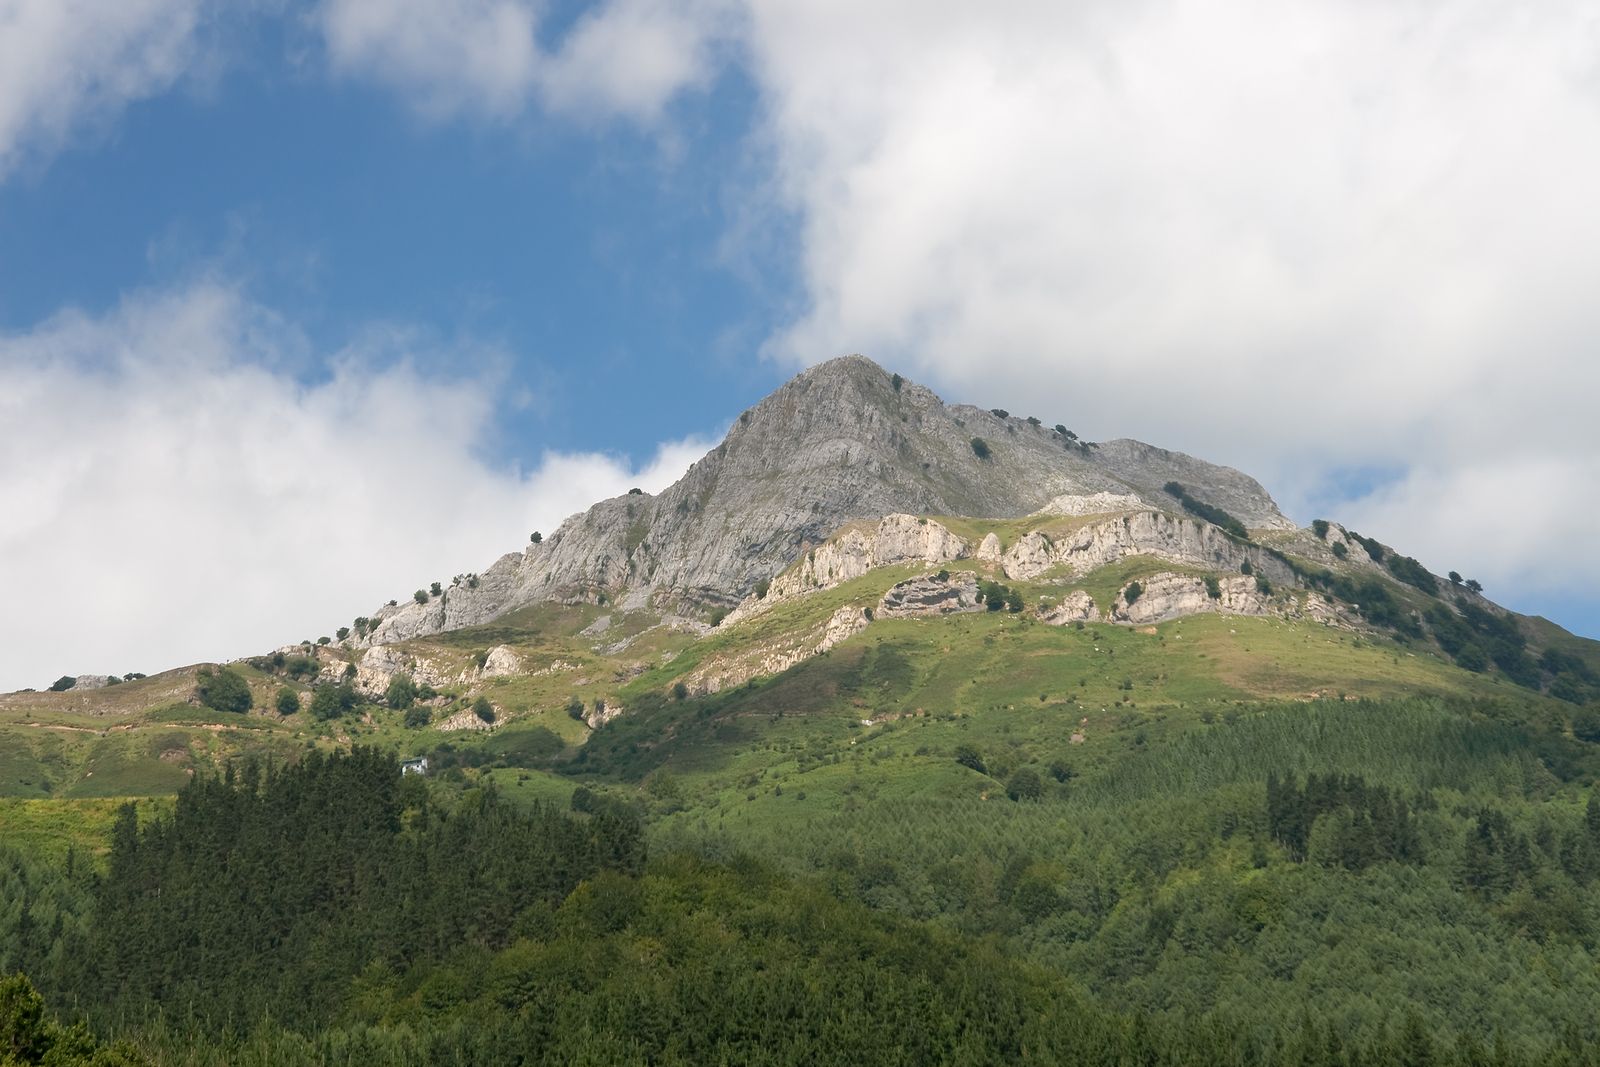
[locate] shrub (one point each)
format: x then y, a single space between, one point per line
324 640
1062 771
1213 587
420 596
1024 785
943 576
575 709
980 448
417 717
1033 421
535 537
1341 549
969 757
1586 726
63 683
1472 657
680 691
761 589
1246 569
1263 586
1132 593
402 692
341 633
287 701
1013 601
1474 586
330 701
1320 528
483 710
434 589
636 491
1455 578
896 381
223 690
1000 413
1413 573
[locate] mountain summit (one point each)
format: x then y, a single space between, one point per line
843 441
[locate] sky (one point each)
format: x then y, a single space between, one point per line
306 303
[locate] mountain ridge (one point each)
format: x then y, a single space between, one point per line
843 441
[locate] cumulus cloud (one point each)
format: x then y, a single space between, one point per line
1297 237
68 63
484 57
175 493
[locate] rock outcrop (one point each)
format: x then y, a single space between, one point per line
931 595
1077 606
722 672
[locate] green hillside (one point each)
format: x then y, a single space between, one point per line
976 838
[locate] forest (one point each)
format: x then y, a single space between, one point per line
1347 883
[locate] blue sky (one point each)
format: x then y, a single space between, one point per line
306 302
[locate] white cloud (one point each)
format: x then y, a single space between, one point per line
1295 237
174 494
448 55
67 63
484 58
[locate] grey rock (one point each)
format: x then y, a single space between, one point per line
836 444
931 595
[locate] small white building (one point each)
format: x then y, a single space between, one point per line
419 765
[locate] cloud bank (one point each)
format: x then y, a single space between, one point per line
1302 238
174 493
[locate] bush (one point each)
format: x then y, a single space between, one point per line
434 589
223 690
341 633
1263 586
1000 413
420 596
1455 578
1320 528
761 589
324 640
417 717
1024 785
483 710
1472 657
1246 569
1413 573
287 701
1586 726
402 692
1341 550
679 691
636 491
63 683
1213 587
1132 593
942 576
897 382
330 701
575 709
1013 601
980 448
535 537
969 757
1474 586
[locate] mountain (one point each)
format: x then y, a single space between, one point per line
893 732
841 442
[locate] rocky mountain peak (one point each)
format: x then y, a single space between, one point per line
842 441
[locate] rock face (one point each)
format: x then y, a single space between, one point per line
1077 607
931 595
842 442
721 673
1168 596
1176 538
